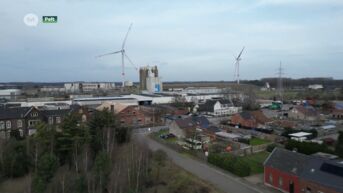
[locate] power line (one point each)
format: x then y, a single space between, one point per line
280 82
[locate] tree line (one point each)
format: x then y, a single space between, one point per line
98 156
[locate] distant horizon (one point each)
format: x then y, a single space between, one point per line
176 81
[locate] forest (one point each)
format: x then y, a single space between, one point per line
98 156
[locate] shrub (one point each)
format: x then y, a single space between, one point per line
271 147
230 163
241 168
307 148
160 157
180 184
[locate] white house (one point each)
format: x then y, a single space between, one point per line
218 108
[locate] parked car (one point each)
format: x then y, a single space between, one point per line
167 136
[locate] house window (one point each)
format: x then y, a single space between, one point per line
32 123
34 114
2 125
51 120
19 123
270 178
134 112
280 181
8 124
58 120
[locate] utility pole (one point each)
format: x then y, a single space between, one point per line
280 83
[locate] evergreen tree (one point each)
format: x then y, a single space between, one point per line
102 129
70 139
339 146
16 162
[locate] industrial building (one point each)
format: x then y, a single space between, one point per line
10 93
144 73
149 80
79 87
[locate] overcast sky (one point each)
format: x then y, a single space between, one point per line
186 39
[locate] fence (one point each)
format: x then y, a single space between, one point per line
251 149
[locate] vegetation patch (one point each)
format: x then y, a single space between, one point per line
307 148
257 141
255 161
240 166
166 177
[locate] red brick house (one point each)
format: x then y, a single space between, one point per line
134 116
139 115
337 114
250 119
282 169
293 172
170 110
304 113
211 132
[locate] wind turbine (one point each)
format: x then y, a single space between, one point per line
238 59
123 56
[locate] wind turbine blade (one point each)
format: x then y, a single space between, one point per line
122 47
130 61
108 54
239 56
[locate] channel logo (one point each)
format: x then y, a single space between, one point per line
31 20
49 19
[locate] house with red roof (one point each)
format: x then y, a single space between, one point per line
308 113
294 172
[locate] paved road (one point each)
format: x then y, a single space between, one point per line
221 180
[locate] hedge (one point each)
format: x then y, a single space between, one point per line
230 163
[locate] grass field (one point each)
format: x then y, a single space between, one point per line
287 94
255 161
258 141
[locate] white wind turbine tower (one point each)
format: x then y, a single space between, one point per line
238 59
123 56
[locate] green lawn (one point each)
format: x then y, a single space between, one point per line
287 94
258 141
255 161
